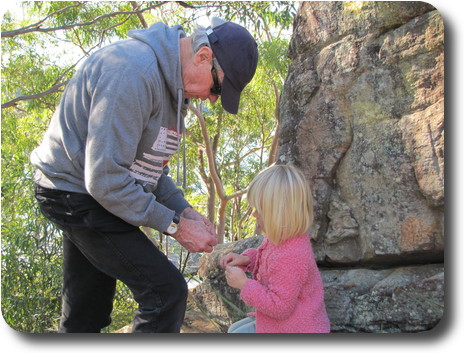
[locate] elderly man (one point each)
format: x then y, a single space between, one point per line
102 167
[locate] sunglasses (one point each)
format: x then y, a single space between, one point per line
217 88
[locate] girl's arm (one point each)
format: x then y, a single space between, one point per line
252 254
279 296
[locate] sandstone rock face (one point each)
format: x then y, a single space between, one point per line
365 95
401 299
362 113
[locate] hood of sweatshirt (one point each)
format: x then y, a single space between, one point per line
164 42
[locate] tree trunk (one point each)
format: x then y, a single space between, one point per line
211 206
222 221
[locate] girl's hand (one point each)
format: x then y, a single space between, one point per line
235 277
232 259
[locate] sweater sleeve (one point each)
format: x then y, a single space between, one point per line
277 298
252 254
122 102
168 194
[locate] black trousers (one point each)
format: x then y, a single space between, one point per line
100 248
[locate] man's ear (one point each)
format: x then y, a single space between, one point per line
204 54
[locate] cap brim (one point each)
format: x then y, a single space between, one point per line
230 97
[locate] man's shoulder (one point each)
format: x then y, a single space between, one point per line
128 54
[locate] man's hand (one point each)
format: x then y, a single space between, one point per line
190 213
195 233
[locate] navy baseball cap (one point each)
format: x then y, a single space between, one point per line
237 53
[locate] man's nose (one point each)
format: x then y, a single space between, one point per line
213 98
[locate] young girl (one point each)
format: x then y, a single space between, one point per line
286 289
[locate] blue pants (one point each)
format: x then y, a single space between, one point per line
100 248
247 325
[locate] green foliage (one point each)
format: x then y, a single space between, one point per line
42 44
31 248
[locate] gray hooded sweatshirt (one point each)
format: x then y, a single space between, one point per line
118 124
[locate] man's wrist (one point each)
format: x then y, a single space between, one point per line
186 210
173 228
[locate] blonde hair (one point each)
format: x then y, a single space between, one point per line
281 195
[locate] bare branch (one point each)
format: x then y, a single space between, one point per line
275 140
237 194
187 6
211 162
64 9
251 151
184 4
52 89
37 27
209 153
136 6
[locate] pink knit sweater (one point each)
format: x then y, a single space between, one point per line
286 289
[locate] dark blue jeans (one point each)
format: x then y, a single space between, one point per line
100 248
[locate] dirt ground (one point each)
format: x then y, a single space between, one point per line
194 322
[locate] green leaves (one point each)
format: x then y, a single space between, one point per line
42 44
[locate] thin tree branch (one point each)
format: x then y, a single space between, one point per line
64 9
55 88
136 6
209 153
37 27
212 163
52 89
251 151
237 194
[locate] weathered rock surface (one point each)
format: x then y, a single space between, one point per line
362 113
365 95
401 299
